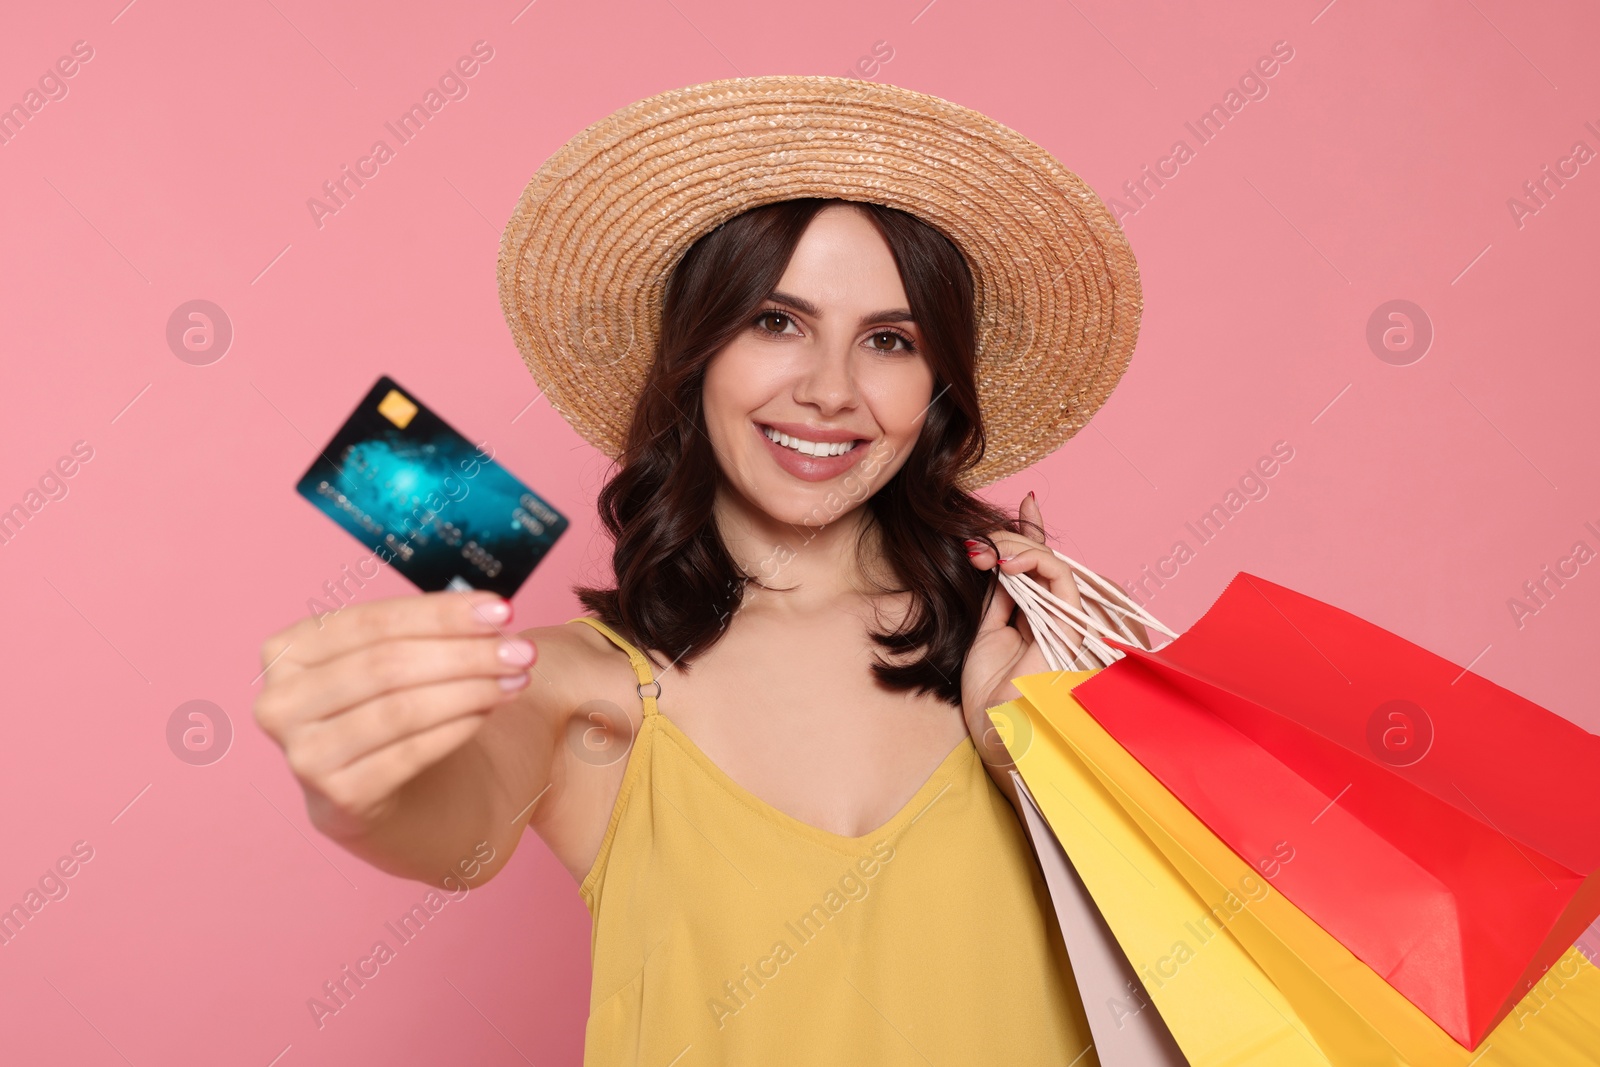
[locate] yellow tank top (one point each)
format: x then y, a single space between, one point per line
728 932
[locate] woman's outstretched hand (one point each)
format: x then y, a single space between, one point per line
364 702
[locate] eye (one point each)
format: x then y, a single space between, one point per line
769 316
884 341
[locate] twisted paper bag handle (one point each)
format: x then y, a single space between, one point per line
1051 618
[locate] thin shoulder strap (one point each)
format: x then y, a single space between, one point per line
641 665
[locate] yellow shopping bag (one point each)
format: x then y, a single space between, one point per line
1219 1005
1221 954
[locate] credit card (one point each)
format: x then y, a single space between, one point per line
427 501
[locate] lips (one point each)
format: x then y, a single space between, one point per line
811 468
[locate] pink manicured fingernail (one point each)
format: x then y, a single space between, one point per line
513 682
516 652
493 612
1030 495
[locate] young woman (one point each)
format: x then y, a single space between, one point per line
759 756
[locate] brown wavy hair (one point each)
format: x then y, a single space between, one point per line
676 585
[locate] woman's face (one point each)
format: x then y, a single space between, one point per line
818 402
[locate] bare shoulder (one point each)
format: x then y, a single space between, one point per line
572 656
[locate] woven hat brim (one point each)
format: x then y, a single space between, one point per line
585 258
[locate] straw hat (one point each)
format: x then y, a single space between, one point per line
585 258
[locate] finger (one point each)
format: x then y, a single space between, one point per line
1056 577
1025 557
1032 517
366 672
324 749
1009 542
981 553
442 614
999 544
363 784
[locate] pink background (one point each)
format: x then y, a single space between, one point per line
178 167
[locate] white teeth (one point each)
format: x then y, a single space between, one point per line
808 448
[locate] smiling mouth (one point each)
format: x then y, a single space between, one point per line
819 449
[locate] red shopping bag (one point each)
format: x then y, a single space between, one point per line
1444 829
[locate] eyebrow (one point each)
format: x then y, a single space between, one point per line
891 315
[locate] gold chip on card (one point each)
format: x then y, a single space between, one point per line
397 408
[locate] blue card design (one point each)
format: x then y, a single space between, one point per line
437 508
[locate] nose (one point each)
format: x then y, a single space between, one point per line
828 382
